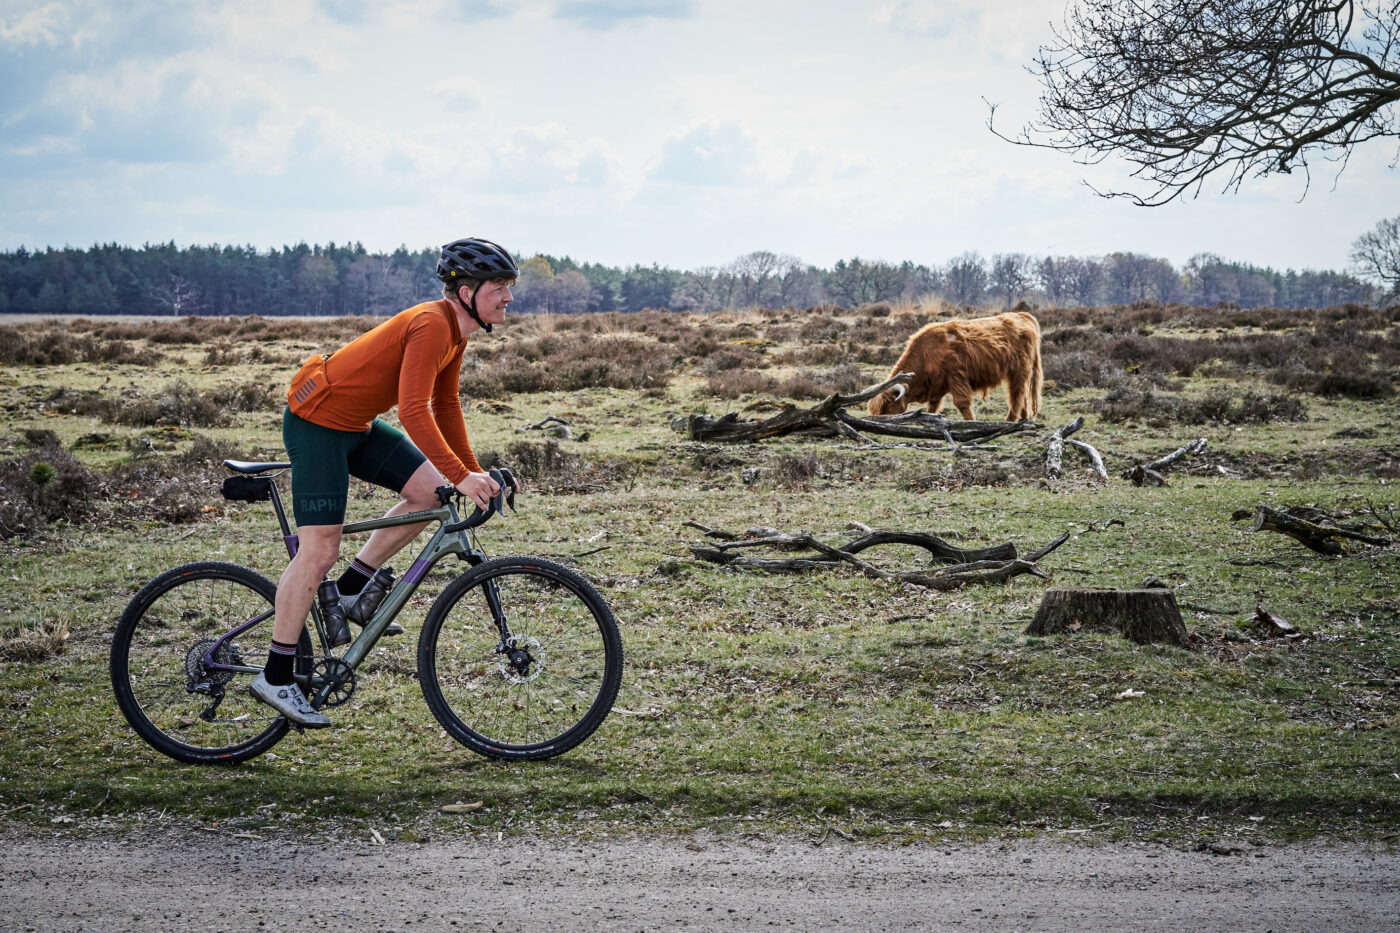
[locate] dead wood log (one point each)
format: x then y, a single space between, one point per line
1056 449
938 548
1038 553
828 418
1142 616
1094 458
1150 473
768 565
960 575
971 565
1324 539
552 425
1186 450
1274 625
1142 476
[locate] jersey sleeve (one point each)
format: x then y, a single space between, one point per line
427 347
447 411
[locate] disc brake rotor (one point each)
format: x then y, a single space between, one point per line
522 660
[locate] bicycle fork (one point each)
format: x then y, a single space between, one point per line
516 652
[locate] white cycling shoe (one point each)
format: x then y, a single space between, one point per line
289 701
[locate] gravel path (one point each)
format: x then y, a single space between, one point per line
207 882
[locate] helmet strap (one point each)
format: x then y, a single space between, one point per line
470 305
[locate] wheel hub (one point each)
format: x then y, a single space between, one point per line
523 659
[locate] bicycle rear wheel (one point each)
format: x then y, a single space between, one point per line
538 693
166 691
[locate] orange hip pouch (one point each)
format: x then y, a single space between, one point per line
309 386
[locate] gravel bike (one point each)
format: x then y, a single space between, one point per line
519 657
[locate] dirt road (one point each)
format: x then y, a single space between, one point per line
205 882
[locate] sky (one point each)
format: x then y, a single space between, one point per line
679 132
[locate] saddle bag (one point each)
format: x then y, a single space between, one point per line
309 386
247 488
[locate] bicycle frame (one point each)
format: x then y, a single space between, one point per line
440 545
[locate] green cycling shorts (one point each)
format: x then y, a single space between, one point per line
324 459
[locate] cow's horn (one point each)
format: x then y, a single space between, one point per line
898 392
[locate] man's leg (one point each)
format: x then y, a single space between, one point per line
320 479
318 547
419 494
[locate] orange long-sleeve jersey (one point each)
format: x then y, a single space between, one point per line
414 360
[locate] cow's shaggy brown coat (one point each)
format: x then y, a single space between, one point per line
961 358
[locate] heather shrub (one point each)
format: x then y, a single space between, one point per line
1081 368
43 486
1136 402
732 383
176 403
815 384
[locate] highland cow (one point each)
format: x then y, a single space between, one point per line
961 358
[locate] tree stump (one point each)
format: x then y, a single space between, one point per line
1143 616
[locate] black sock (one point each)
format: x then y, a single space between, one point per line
279 663
355 577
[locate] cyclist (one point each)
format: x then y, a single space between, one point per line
332 431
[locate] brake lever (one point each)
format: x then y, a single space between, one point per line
509 481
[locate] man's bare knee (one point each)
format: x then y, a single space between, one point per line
420 492
319 548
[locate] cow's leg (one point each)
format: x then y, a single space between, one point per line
961 391
1016 396
1020 391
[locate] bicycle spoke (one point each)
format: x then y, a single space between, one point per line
159 670
547 686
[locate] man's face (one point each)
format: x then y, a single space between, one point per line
491 300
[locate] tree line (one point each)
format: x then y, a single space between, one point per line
344 280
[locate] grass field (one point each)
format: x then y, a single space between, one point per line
820 702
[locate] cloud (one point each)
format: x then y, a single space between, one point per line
708 156
608 14
35 26
537 159
1007 29
346 12
474 10
458 94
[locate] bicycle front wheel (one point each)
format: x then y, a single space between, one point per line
167 690
520 658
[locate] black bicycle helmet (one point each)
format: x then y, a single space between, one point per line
475 258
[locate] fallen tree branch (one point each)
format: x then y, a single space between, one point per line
561 427
952 578
1094 458
968 566
1324 539
1041 552
1150 474
828 418
1056 447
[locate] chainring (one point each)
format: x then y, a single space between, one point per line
340 676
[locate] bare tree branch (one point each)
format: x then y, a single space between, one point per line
1185 89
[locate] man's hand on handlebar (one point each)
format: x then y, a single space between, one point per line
480 488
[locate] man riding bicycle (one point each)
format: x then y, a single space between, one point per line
332 431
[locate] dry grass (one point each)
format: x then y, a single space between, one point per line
34 643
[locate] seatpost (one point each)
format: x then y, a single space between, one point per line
289 539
